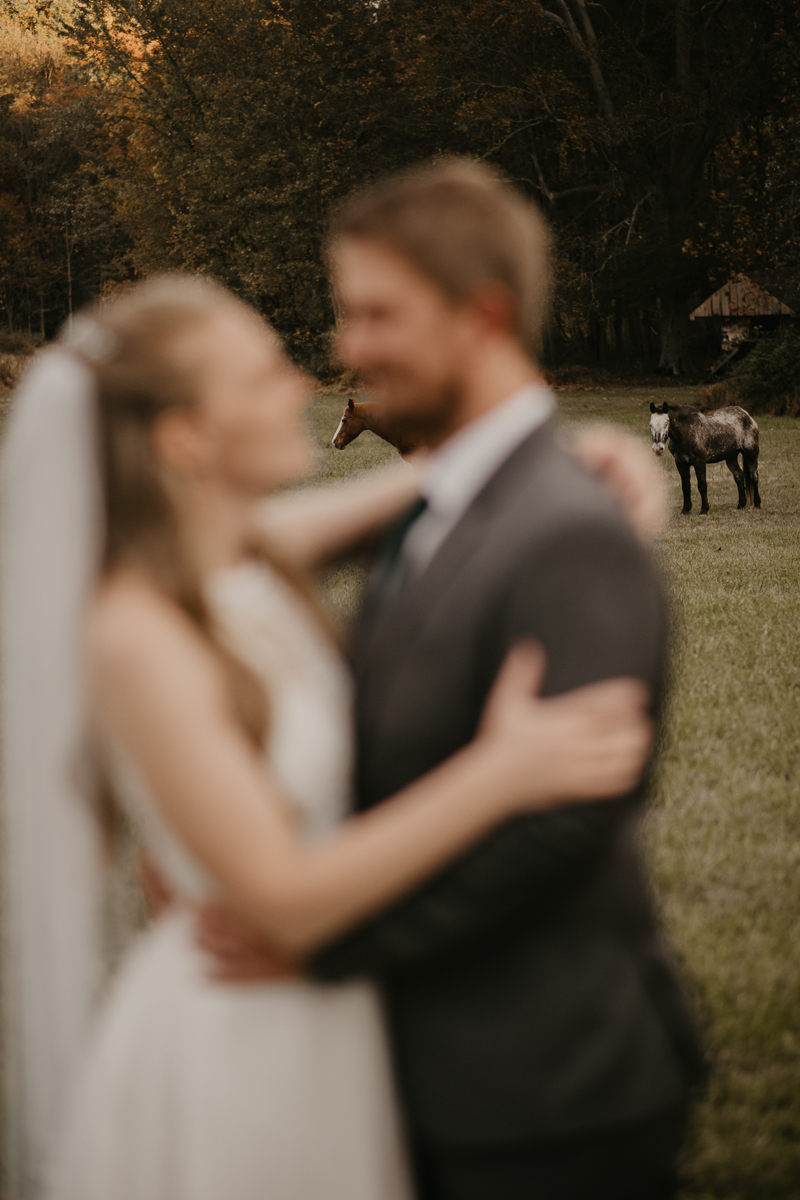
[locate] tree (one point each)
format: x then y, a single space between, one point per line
58 238
615 116
218 134
248 123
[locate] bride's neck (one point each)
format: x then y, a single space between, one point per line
217 523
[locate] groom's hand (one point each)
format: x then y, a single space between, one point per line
239 953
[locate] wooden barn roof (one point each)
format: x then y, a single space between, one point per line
743 297
781 284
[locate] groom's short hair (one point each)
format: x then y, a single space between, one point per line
461 225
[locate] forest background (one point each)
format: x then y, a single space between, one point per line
662 140
660 137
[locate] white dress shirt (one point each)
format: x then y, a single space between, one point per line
458 470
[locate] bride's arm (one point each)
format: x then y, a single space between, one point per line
318 525
160 694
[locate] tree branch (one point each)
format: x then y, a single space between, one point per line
603 94
520 129
545 190
554 17
626 221
585 189
570 24
586 48
554 196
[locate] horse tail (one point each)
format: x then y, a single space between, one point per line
748 479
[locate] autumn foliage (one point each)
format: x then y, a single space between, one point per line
660 138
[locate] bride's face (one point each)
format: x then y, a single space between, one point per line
246 430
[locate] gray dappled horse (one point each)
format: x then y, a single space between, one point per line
695 439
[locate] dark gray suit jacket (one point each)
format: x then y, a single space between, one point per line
527 987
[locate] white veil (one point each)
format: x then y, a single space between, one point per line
50 518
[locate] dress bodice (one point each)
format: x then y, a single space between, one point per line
192 1088
309 739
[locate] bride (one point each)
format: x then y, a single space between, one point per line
162 644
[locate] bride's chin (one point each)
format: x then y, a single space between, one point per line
295 467
304 463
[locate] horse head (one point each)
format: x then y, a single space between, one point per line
348 429
659 426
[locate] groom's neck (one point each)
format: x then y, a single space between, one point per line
488 380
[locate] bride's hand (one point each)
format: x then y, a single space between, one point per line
629 472
588 744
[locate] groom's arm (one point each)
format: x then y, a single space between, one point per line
592 599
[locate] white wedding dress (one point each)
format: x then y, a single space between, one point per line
194 1090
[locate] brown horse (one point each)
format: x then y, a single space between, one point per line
367 415
694 439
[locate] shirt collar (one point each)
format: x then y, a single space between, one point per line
458 470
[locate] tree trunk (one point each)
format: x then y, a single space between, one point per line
639 338
674 330
683 59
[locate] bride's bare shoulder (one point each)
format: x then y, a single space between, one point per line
134 628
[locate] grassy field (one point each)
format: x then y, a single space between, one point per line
723 832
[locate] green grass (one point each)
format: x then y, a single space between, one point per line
723 833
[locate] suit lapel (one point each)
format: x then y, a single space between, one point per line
386 634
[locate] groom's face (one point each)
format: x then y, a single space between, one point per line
408 341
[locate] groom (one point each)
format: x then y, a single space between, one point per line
541 1043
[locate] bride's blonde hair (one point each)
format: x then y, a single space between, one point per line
127 343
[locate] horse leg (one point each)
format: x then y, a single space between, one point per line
750 460
702 486
686 483
732 463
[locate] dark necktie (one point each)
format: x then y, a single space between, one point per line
390 571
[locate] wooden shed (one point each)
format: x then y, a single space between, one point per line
747 297
743 296
747 304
